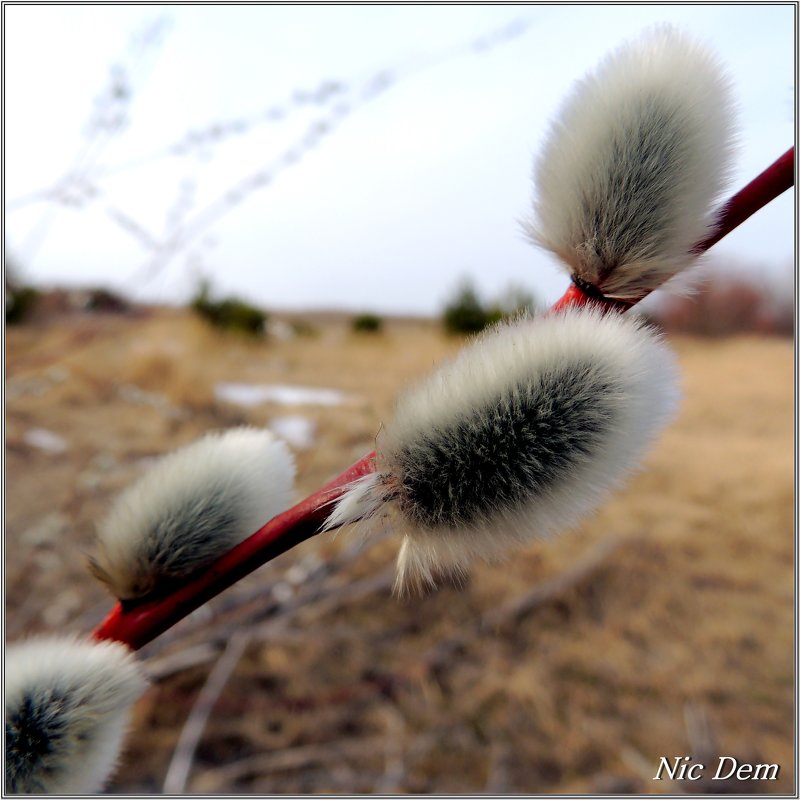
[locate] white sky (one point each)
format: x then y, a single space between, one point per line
416 186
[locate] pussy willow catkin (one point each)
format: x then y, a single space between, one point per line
524 432
67 704
632 164
192 506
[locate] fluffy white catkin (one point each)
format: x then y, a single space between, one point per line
67 704
519 436
625 181
192 506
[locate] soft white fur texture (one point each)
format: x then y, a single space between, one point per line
191 507
363 498
628 397
67 705
632 163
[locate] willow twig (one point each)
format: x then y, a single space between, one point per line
182 758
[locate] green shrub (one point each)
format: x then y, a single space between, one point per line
465 312
20 300
230 314
367 323
106 300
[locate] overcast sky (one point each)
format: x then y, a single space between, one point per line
360 157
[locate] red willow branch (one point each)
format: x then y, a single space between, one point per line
774 180
137 623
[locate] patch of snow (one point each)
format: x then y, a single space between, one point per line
300 572
140 397
304 569
295 429
48 531
19 387
248 394
282 592
280 330
45 440
58 374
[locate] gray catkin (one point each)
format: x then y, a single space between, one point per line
626 178
191 507
67 704
508 452
519 436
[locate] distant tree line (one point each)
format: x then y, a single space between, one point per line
721 303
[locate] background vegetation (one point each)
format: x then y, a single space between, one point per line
229 313
662 625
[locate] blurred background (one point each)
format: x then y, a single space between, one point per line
281 216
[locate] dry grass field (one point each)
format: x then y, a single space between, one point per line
663 626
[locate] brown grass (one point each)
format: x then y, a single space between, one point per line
689 618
